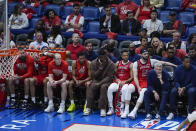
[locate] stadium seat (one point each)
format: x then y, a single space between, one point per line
38 10
91 13
93 27
69 41
11 7
164 16
103 12
107 40
67 11
187 18
21 39
95 42
33 22
56 8
192 30
138 2
173 4
124 45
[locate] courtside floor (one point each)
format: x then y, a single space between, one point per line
37 120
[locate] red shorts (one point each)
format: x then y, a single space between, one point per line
142 83
40 79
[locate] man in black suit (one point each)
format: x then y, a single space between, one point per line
109 22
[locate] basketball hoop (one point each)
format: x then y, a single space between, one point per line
7 60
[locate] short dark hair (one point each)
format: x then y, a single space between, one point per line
186 57
171 43
124 51
106 6
192 47
154 11
80 54
76 5
87 42
191 37
155 34
101 52
170 48
143 37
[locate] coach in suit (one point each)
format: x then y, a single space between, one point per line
109 22
157 88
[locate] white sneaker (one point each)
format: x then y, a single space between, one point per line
87 112
121 111
170 116
50 108
158 117
132 115
148 117
103 113
124 115
61 108
110 111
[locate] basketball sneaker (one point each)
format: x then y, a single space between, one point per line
61 108
148 117
12 104
24 105
132 115
87 112
170 116
71 108
84 108
103 113
50 108
110 111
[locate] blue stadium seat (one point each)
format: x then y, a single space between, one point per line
164 16
67 11
192 30
11 7
103 12
187 18
93 27
138 2
173 4
56 8
33 22
91 13
38 10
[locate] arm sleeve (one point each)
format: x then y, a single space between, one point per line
145 24
117 26
180 27
58 40
30 66
161 26
81 21
10 19
176 78
66 21
149 82
65 69
25 21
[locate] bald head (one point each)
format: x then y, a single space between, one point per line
57 59
75 38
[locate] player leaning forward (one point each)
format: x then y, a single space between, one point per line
57 70
140 72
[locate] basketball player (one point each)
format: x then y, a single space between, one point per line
23 69
57 70
80 74
123 76
41 78
140 71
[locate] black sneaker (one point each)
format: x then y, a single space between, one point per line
148 117
12 104
24 105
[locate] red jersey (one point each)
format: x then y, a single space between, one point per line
51 22
59 70
81 70
43 65
123 71
124 7
138 49
75 50
143 70
24 69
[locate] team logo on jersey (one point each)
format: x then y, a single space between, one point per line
21 66
146 124
82 70
57 72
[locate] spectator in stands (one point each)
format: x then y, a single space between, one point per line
158 47
188 4
124 7
18 20
75 20
144 44
75 47
90 54
157 3
112 50
55 39
171 57
158 89
51 18
102 75
142 33
37 3
109 22
185 83
153 24
39 27
191 41
173 25
178 52
177 41
133 25
192 54
38 43
132 55
144 11
151 53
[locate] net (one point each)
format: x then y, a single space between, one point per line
7 60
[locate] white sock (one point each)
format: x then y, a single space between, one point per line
85 101
110 104
135 109
51 102
63 102
26 96
127 108
33 99
45 99
12 95
72 101
122 105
